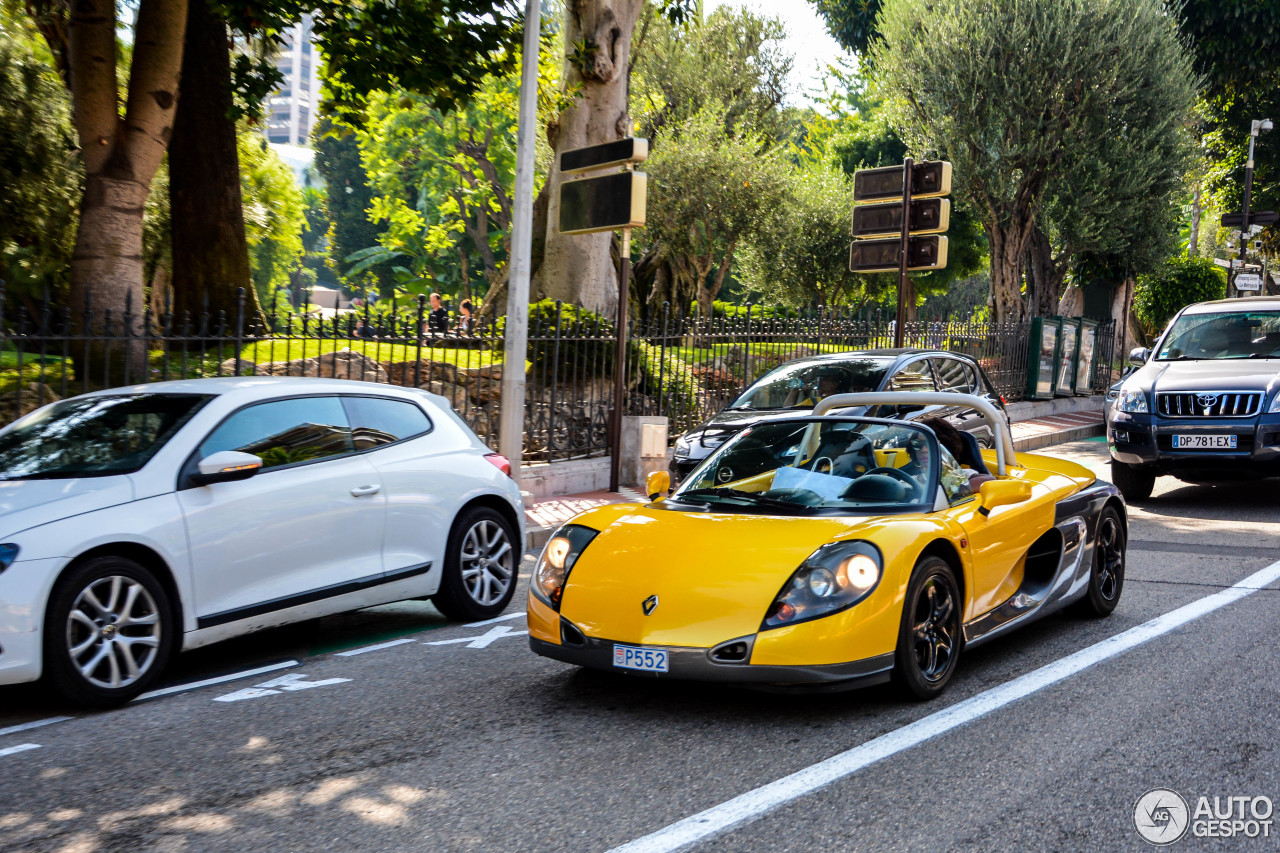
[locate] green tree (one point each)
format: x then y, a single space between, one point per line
348 198
1179 282
40 180
1016 95
274 217
851 22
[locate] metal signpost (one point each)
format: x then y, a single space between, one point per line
614 201
918 217
1243 219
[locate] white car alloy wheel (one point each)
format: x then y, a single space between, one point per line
487 562
479 567
113 632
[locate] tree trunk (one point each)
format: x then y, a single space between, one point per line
577 268
121 155
210 252
1008 243
1046 276
1193 245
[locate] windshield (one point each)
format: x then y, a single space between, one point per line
820 466
802 385
1223 334
94 436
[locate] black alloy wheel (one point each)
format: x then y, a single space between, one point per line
930 638
1106 578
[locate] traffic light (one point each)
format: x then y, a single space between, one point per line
928 216
923 254
929 179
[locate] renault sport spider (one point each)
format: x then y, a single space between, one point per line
831 551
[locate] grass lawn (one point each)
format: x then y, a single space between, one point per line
296 348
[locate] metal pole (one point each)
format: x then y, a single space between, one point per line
620 364
1248 187
902 252
511 419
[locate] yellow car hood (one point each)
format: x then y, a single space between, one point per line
715 574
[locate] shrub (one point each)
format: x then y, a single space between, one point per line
1177 284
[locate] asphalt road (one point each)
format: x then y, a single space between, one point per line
447 737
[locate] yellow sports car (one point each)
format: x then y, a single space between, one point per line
834 551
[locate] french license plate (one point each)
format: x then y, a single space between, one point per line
1204 442
645 660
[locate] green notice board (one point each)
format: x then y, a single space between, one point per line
1042 361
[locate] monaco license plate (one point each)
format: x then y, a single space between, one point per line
644 660
1204 442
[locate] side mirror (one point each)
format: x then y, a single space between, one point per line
1139 356
225 466
657 484
994 493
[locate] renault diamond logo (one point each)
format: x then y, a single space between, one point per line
1207 401
650 604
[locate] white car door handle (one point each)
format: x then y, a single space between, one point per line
362 491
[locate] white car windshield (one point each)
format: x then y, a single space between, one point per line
821 466
802 385
93 436
1223 334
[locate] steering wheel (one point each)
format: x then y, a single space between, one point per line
904 478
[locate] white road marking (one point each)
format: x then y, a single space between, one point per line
285 683
24 727
518 615
22 747
754 804
484 640
374 648
222 679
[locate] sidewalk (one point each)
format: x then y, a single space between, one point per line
545 515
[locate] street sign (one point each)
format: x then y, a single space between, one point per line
603 203
928 180
928 216
1257 217
620 153
1248 281
924 254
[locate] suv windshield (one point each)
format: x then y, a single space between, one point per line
94 436
802 385
1223 334
818 467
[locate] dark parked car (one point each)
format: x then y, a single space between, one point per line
798 385
1205 404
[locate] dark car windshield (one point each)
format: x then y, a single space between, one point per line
1223 334
819 466
94 436
803 384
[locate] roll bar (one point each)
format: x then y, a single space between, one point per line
999 426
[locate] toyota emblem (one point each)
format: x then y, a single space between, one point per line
1207 401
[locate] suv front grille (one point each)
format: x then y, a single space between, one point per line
1220 404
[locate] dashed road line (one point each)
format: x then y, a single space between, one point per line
22 747
756 803
377 647
36 724
222 679
519 614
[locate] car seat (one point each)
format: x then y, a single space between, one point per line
973 453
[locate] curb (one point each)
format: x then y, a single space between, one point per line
1035 442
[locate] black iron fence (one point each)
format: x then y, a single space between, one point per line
683 367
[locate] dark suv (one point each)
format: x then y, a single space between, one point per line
1205 404
798 385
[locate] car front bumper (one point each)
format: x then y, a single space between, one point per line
24 591
696 664
1146 440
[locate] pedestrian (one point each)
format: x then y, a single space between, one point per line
438 319
466 323
363 329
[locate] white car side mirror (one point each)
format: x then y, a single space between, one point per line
226 465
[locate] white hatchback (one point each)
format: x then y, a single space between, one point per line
141 521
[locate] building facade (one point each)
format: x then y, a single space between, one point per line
291 111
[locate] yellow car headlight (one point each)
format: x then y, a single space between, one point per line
558 557
835 577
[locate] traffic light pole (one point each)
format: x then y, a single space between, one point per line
903 252
620 363
1248 188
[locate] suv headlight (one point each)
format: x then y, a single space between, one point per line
558 557
1275 404
1133 402
683 445
835 577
